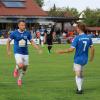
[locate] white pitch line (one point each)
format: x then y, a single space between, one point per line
34 81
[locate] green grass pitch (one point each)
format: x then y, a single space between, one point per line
49 77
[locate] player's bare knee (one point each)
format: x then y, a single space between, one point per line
21 65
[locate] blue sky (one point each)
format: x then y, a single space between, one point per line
79 4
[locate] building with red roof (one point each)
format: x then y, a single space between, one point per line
20 8
13 10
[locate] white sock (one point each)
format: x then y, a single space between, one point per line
21 74
79 82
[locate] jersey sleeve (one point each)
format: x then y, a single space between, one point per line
11 37
29 37
74 43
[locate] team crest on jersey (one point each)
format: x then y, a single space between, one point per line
22 43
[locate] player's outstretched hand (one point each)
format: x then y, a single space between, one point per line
60 52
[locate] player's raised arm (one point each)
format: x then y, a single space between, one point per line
92 51
71 49
66 51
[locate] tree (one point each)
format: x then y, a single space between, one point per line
72 11
63 12
92 17
40 2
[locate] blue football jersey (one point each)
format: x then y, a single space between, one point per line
82 43
21 41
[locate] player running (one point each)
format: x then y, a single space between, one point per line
81 45
50 35
21 37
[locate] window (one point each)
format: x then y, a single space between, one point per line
12 0
14 3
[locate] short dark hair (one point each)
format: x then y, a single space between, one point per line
81 26
21 20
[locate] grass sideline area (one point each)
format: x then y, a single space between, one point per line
49 77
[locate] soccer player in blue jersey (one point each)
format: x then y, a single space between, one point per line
21 38
81 45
